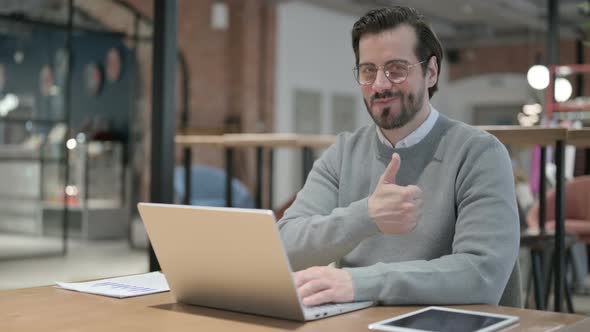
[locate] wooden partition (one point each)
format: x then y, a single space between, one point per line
261 142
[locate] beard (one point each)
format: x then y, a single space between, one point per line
410 105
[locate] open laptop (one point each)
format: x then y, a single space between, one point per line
228 258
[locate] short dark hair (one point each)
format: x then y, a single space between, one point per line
382 19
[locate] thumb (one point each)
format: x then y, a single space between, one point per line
391 171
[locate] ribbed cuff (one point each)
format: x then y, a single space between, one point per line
366 283
360 225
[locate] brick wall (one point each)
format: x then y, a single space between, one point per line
231 72
476 61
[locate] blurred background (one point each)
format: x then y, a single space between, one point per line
77 99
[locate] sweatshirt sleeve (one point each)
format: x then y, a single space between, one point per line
485 244
314 223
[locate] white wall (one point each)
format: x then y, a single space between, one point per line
314 52
457 99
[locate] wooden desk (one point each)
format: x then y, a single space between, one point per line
52 309
579 137
526 135
203 140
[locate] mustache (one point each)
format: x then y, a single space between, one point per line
385 94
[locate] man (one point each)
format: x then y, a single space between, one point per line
414 209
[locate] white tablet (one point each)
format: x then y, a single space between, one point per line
439 319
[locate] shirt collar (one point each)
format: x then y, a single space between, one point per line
414 137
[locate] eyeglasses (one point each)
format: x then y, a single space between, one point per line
395 71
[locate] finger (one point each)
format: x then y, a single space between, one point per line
392 168
414 192
325 296
312 287
301 277
304 276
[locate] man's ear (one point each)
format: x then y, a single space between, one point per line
432 72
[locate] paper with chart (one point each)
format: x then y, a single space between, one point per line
121 287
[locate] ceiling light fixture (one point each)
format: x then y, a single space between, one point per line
538 77
563 89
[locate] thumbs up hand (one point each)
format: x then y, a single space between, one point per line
395 209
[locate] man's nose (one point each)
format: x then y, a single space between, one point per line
381 83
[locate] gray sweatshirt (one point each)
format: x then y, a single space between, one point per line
465 245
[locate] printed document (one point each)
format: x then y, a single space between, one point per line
121 287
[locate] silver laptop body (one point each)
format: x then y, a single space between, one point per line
228 258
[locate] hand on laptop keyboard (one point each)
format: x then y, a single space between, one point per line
323 284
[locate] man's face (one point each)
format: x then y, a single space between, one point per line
393 105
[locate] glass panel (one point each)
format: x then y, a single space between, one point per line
343 113
308 117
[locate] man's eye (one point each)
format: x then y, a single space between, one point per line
396 68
